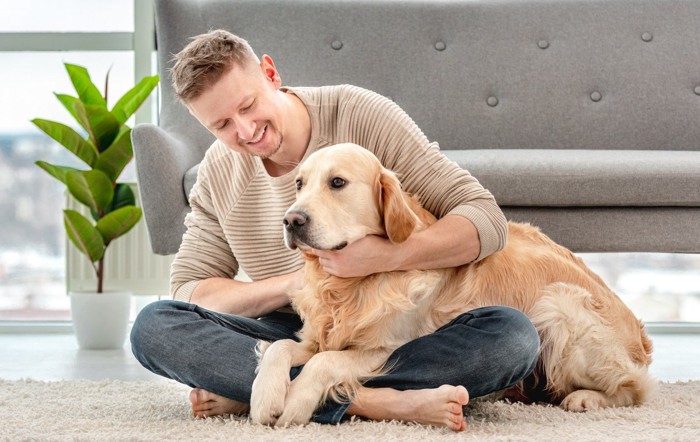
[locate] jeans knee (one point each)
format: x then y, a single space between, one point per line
148 325
522 339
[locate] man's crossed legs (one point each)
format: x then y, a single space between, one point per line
432 378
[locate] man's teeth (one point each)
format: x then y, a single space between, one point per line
262 133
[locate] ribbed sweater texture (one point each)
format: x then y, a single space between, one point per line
237 208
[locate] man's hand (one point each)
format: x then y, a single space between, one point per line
451 241
371 254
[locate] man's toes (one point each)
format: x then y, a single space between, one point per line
194 396
199 396
198 405
455 423
461 395
200 411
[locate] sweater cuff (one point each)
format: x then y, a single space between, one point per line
184 292
491 238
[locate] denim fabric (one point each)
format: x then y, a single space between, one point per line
485 350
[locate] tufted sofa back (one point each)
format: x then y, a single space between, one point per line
477 74
580 116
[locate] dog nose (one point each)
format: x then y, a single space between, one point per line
295 220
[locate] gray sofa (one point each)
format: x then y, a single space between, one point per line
580 116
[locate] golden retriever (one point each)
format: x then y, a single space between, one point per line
594 352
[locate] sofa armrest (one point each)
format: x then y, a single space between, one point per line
161 163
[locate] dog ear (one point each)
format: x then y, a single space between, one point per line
399 219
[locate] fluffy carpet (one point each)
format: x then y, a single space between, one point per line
158 411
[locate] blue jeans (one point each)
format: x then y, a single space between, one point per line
485 350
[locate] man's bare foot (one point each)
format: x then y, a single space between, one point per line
441 407
206 404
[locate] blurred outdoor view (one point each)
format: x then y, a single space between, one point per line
32 238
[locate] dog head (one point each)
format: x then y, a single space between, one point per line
344 194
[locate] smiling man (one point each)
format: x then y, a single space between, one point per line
206 336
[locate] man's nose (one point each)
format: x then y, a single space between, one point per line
245 127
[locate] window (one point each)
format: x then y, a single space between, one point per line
658 287
36 38
67 16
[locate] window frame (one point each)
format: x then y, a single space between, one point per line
141 41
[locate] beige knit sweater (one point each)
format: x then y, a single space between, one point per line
237 208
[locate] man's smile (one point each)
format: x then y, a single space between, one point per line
257 139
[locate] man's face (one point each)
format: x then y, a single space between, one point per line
242 109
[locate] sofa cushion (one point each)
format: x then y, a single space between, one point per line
189 179
577 178
585 178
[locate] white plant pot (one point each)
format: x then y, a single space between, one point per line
100 320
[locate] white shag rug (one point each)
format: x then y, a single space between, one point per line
159 411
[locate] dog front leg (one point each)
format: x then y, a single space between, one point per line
322 373
272 381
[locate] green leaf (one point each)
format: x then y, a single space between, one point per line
132 100
68 138
119 222
86 89
123 197
101 124
58 172
67 101
84 235
106 95
113 160
92 188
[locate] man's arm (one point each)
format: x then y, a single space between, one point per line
451 241
204 267
251 299
442 186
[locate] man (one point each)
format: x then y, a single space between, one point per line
206 337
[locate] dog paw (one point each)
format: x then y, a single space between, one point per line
294 416
267 400
300 406
585 400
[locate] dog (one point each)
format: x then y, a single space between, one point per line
594 352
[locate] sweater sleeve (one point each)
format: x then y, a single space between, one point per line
441 185
204 252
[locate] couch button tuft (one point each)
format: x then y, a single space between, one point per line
440 45
492 101
647 37
596 96
337 45
697 90
543 44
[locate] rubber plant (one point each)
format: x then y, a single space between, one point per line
106 149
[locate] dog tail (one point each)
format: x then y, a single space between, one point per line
581 350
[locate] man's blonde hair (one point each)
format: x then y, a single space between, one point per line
205 60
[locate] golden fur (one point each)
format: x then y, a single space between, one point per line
594 352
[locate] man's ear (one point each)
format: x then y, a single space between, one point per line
270 71
399 219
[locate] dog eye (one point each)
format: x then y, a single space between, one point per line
337 183
298 184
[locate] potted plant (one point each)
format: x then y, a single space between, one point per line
105 149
